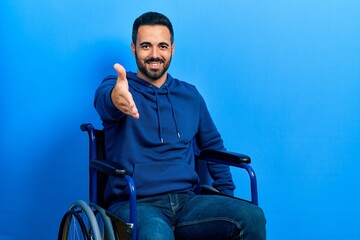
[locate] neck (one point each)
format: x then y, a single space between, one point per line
158 82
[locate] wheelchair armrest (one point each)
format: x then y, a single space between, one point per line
86 126
108 167
223 156
233 159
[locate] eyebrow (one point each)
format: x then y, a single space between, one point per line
149 43
145 43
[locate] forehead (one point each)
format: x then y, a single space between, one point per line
153 34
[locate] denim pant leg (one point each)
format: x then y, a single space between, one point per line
153 216
219 217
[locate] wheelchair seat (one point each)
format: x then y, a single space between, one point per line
91 220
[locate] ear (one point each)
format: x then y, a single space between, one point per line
173 48
133 48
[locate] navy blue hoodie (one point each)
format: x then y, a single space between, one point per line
157 149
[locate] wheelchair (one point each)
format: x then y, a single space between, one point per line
90 220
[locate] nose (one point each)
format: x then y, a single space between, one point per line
155 53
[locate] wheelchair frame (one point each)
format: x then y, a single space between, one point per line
96 223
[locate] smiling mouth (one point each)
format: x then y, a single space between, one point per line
154 63
154 66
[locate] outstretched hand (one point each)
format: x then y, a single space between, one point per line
121 96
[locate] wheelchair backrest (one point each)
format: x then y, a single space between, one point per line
97 180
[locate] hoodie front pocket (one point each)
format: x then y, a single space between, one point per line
161 177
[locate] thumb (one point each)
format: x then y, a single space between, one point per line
120 71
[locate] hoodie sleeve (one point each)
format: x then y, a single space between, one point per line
103 103
209 138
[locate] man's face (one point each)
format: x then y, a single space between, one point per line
153 53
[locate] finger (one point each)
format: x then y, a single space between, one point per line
135 114
133 109
131 106
120 71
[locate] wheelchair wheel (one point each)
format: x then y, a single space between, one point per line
104 223
72 226
79 223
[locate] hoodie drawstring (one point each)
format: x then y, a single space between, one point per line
172 109
159 113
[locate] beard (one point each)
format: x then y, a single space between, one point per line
153 74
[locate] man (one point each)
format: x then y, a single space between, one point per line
150 120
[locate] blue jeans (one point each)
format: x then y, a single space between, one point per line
189 216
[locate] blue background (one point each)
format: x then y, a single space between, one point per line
281 79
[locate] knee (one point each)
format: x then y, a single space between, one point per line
155 230
259 218
254 227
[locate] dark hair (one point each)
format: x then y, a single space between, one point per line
152 18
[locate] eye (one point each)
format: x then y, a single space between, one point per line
145 45
164 46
